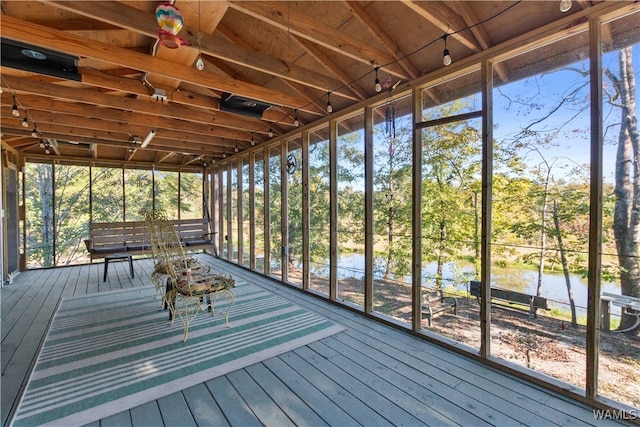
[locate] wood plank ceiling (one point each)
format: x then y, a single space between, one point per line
288 55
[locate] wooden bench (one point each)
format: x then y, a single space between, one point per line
435 303
628 304
532 301
132 237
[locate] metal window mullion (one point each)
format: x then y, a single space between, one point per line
267 211
252 212
284 213
240 235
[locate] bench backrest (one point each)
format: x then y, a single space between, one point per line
509 295
118 233
131 232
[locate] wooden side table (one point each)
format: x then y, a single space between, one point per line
114 257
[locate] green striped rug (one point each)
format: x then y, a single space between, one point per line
113 351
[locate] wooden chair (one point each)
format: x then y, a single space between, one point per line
191 287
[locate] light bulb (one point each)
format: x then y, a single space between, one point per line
446 58
34 133
270 132
224 155
41 144
47 151
296 123
235 149
15 112
377 86
565 5
25 122
329 107
200 64
253 143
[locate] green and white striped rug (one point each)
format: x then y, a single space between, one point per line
113 351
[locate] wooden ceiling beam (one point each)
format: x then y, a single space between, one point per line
133 19
209 136
383 38
470 18
68 112
23 31
345 79
150 106
445 19
281 16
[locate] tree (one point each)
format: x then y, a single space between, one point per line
450 173
626 224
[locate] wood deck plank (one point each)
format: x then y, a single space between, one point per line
290 403
265 409
175 411
333 391
329 411
436 396
147 415
203 406
359 388
231 403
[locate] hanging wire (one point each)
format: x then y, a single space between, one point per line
395 61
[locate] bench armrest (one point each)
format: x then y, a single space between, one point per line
89 244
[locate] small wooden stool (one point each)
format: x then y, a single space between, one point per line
114 257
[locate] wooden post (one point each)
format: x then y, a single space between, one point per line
416 229
284 212
333 210
368 210
229 211
595 209
487 189
267 213
305 211
252 211
240 211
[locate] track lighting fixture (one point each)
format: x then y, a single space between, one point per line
446 58
565 5
296 123
329 107
377 86
15 112
25 122
148 138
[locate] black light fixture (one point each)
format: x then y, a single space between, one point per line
377 86
329 107
446 58
15 112
34 132
25 121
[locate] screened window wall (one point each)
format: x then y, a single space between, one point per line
62 199
511 255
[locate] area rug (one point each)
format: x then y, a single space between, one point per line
109 352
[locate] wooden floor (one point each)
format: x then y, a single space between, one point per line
370 374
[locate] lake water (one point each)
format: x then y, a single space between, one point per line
553 284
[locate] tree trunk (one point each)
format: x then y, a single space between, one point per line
626 220
565 266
